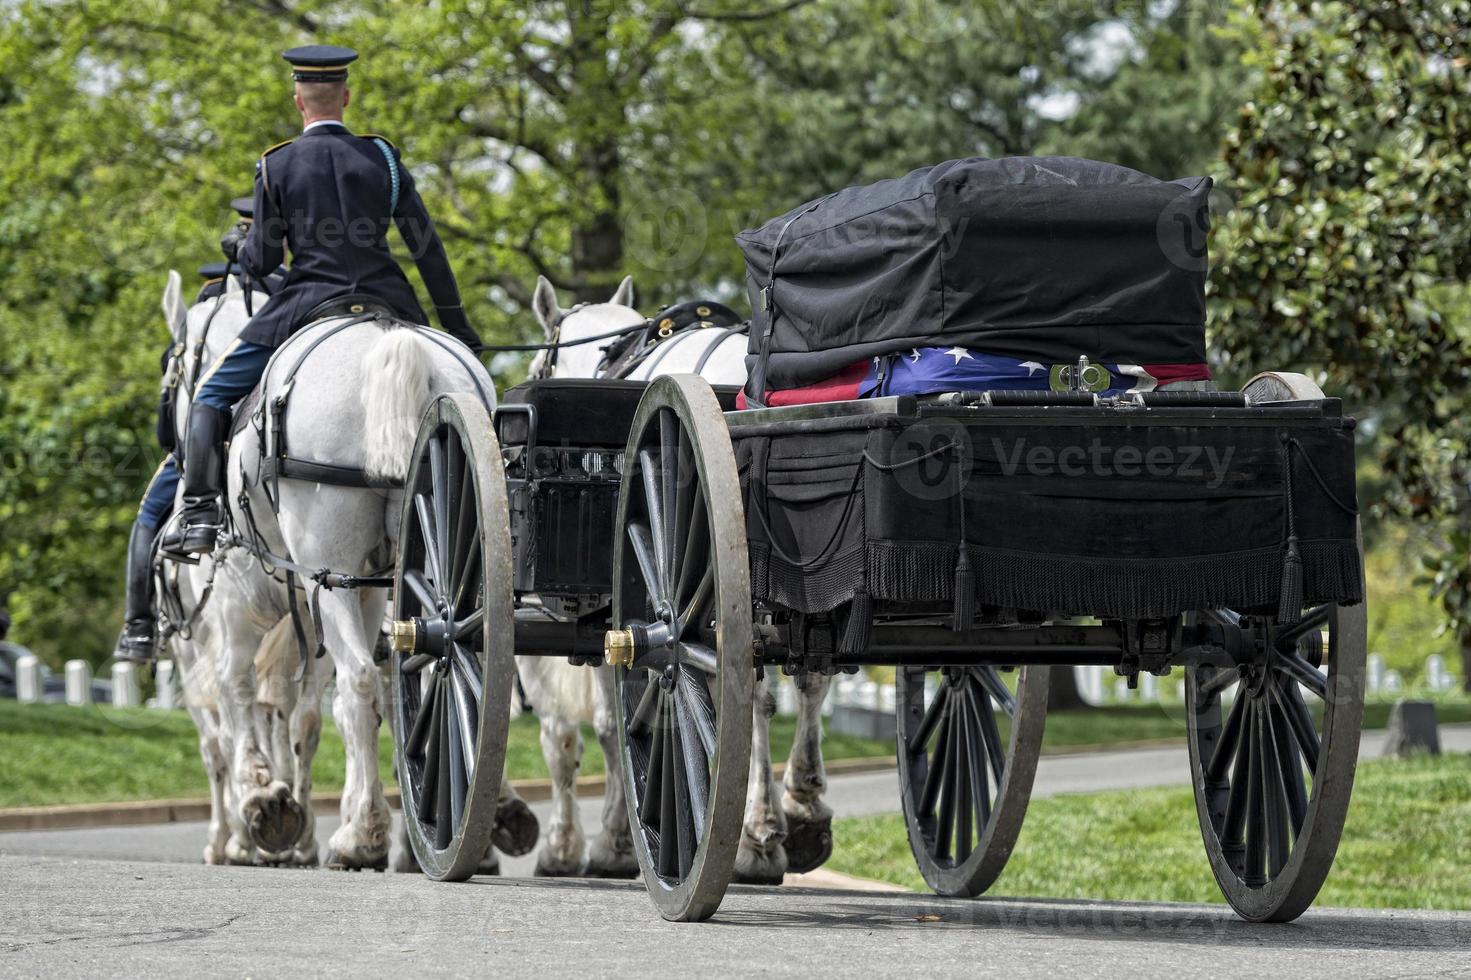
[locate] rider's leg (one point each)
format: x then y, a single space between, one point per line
136 642
231 379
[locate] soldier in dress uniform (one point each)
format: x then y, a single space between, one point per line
327 197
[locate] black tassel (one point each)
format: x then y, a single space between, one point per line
1289 609
965 592
858 630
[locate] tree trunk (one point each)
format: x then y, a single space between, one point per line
1063 693
1466 658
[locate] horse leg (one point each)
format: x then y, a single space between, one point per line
761 858
610 855
516 827
561 746
362 839
218 771
272 820
306 734
809 819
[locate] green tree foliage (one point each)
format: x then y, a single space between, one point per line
1349 246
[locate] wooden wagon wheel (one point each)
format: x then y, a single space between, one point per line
452 668
682 602
964 782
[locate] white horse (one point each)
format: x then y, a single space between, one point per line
360 388
794 835
201 334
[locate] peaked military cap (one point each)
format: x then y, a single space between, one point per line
320 62
214 270
244 206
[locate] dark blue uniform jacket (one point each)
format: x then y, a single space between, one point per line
328 197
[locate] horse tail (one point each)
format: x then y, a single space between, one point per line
395 390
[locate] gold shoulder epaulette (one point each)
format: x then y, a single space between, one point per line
261 164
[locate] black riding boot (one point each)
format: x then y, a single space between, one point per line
136 642
204 472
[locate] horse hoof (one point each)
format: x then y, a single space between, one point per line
274 820
516 828
405 863
611 864
337 861
809 843
553 867
759 867
238 854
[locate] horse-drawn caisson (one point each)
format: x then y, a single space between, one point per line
977 442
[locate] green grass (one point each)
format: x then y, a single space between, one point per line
1403 845
58 754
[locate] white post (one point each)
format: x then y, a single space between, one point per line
28 680
1374 673
1436 676
1392 682
165 697
1148 688
78 683
124 686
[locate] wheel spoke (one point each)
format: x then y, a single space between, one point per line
1256 806
1301 720
944 843
422 723
414 579
653 786
1233 826
965 773
444 819
689 617
1273 793
683 775
469 669
459 780
993 683
991 736
980 782
1213 686
431 540
670 830
462 533
1289 763
656 511
469 583
429 791
935 775
466 710
1287 638
643 553
669 484
417 662
1225 750
469 626
440 481
1304 672
696 699
920 737
699 656
641 720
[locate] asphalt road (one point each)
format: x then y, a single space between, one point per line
72 908
89 918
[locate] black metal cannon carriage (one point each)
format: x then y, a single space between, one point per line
971 539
